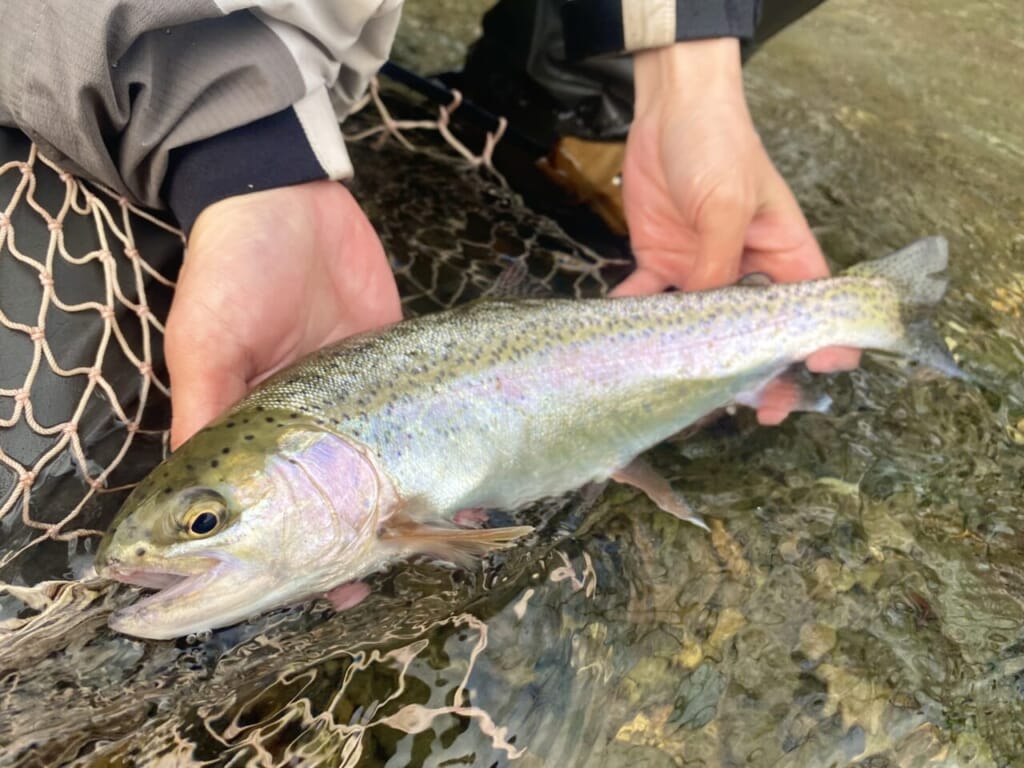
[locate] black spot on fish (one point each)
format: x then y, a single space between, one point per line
225 450
214 463
140 551
168 490
250 437
190 467
270 419
259 408
293 415
230 425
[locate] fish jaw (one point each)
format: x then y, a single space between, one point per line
212 593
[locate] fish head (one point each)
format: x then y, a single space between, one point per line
240 520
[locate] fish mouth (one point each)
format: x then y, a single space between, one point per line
174 586
160 575
151 578
170 581
201 594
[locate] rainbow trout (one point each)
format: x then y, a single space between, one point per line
385 444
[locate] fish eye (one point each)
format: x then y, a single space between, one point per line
204 518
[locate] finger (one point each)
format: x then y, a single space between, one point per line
195 405
792 257
833 359
643 282
771 417
777 400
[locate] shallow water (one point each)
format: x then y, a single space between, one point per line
860 599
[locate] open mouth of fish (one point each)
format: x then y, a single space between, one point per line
170 582
193 594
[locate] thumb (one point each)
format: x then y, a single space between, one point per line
206 379
207 360
779 240
642 282
721 230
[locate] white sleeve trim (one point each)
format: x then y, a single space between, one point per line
648 24
320 124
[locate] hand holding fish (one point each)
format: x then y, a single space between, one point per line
270 277
704 202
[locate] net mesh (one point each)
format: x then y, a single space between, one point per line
61 270
82 308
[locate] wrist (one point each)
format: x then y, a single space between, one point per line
270 153
693 70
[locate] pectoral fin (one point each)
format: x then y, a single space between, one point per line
348 594
642 475
457 545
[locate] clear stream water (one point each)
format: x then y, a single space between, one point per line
860 598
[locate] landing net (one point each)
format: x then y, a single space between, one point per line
54 288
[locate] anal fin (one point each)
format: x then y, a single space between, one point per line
456 545
642 475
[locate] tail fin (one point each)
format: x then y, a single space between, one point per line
915 271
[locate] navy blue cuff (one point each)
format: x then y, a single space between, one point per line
265 154
594 27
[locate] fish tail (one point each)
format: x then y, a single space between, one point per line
916 273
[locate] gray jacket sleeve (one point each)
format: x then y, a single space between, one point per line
183 102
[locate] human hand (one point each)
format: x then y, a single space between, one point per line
703 200
268 278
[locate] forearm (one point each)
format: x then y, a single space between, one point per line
692 71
